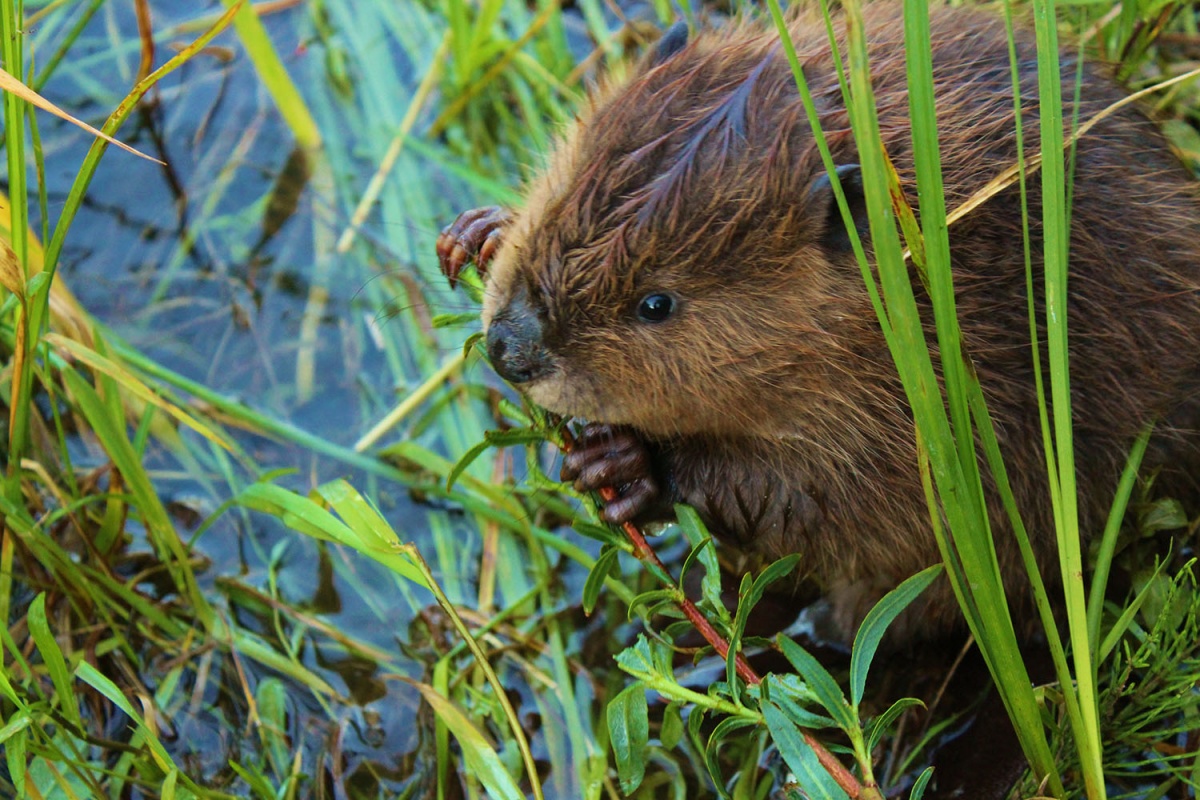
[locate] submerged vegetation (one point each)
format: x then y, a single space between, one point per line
228 378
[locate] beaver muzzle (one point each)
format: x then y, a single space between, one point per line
514 342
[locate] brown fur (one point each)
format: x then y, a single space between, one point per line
770 401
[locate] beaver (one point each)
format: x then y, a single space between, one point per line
680 277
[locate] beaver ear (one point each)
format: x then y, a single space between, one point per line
821 196
671 42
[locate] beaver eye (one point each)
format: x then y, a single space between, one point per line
656 307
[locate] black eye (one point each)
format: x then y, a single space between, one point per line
655 307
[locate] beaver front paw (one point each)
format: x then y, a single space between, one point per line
611 455
474 236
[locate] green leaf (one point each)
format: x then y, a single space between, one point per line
492 439
113 370
1108 543
1126 619
52 657
710 584
801 760
749 593
49 775
14 748
597 532
1165 514
371 535
647 602
824 688
167 792
694 725
787 692
671 732
514 412
639 657
739 624
726 728
108 423
702 549
255 779
271 698
918 790
880 724
6 688
629 734
468 458
483 763
876 623
777 570
251 646
454 320
471 341
595 580
16 723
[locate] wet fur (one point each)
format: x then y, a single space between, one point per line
770 401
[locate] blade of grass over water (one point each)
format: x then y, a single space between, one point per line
88 169
384 544
274 75
34 310
375 186
11 49
11 85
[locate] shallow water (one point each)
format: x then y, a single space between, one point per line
206 266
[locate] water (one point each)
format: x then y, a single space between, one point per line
207 266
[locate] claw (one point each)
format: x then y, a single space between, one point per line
634 498
609 455
475 235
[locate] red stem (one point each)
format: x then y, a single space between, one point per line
641 548
643 551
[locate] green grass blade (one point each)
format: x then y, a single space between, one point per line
977 574
110 429
824 688
1056 240
52 657
126 107
935 233
273 74
483 763
12 53
1108 543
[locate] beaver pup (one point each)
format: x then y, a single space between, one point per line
681 278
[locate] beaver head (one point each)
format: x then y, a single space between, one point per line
682 258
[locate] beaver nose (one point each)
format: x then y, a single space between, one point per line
514 343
